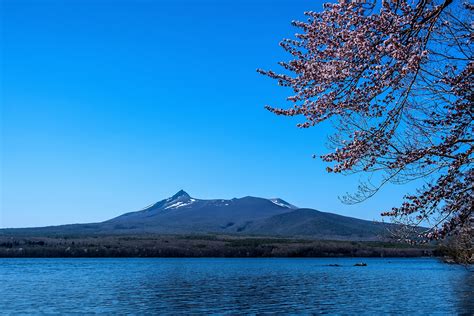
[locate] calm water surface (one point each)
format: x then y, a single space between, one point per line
217 286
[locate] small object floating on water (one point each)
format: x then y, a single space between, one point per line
334 265
360 264
449 260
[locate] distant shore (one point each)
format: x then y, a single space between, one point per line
198 246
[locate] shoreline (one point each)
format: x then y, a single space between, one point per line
202 246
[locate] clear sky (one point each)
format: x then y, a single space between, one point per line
108 106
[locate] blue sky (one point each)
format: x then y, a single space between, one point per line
108 106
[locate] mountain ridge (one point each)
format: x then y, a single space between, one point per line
249 215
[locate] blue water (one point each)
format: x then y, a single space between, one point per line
287 286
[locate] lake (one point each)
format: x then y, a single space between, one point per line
217 286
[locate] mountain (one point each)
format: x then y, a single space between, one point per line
183 214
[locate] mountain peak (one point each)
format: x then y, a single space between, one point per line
180 194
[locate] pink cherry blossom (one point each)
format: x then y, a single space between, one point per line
396 80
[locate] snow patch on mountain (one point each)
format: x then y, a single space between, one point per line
179 204
282 203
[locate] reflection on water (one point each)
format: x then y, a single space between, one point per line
414 286
465 293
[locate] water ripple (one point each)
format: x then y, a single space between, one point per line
234 286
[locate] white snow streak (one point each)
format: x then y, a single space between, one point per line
279 203
179 204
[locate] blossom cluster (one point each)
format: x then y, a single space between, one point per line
396 79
